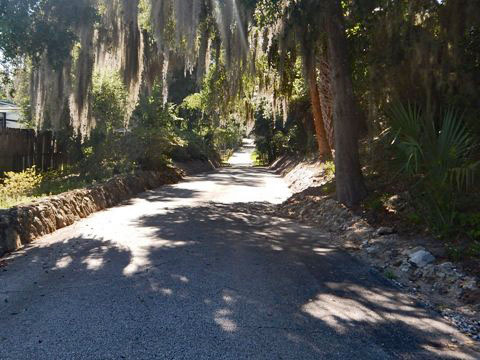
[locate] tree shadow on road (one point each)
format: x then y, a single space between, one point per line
217 281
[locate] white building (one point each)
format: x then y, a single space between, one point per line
10 116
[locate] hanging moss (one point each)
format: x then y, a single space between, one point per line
137 39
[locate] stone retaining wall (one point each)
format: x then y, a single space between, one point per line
22 224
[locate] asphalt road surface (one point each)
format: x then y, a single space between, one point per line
185 272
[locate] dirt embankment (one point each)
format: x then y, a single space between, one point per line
416 262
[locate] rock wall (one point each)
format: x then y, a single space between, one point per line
22 224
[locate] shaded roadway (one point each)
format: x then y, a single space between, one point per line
190 272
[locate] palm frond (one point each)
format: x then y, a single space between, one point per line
464 177
406 119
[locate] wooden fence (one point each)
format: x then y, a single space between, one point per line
21 149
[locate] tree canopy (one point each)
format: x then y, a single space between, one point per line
328 70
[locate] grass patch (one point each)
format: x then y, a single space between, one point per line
389 274
23 187
8 202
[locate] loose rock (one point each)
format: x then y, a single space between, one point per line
421 258
384 230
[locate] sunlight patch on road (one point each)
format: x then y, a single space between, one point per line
141 253
63 262
139 260
221 318
322 251
355 305
181 278
93 262
340 313
166 292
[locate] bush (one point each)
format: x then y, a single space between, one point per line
438 155
264 131
293 137
280 142
19 186
109 101
59 181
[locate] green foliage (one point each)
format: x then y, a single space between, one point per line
329 168
144 15
455 253
193 102
470 223
211 116
106 151
423 51
266 12
464 251
109 102
389 274
32 27
153 132
256 159
474 249
111 149
295 137
414 218
216 103
439 155
104 155
264 132
228 137
374 202
58 181
21 95
280 142
19 186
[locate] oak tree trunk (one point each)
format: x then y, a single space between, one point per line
350 184
326 96
324 150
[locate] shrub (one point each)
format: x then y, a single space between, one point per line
329 168
280 143
276 138
264 131
109 101
18 186
438 155
470 223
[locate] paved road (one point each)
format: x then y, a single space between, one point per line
184 272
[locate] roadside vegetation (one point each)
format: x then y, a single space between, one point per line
414 68
385 93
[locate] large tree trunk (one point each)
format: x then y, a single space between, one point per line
346 116
326 97
324 150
